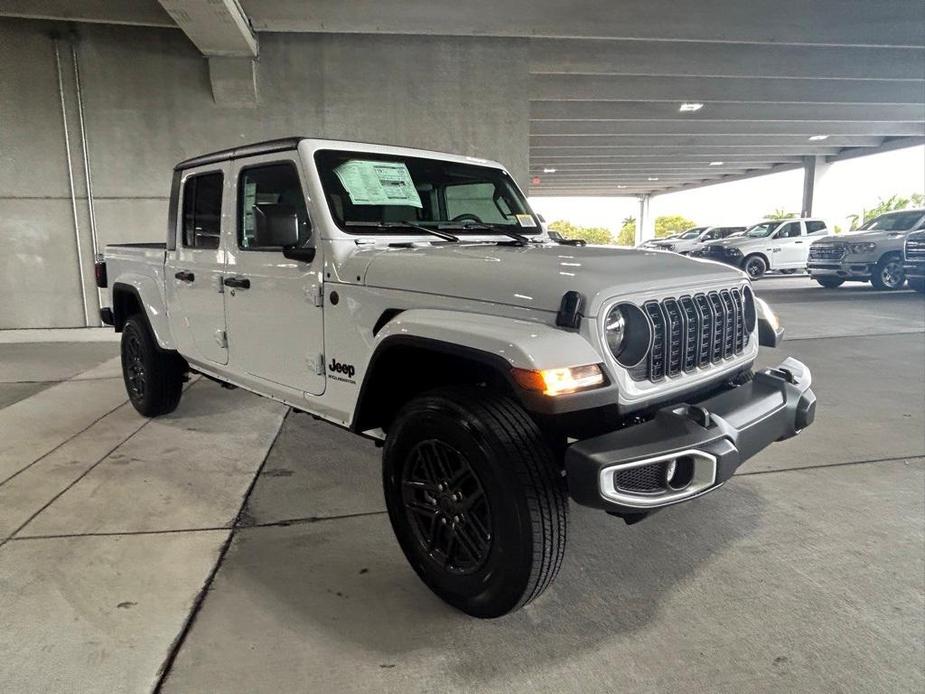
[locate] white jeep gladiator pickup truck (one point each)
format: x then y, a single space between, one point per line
414 298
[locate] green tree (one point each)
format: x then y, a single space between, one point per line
595 235
780 214
627 234
890 204
669 224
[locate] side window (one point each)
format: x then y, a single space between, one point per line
271 208
814 227
789 231
478 201
202 211
710 235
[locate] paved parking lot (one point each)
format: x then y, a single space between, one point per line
232 547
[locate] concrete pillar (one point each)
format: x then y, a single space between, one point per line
814 169
645 224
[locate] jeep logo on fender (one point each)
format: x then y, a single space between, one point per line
346 369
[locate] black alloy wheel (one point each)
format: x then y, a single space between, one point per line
153 376
755 266
476 498
447 507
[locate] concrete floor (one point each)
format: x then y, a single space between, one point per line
230 547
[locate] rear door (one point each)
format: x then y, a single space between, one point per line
273 304
194 269
790 246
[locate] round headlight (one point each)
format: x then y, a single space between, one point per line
626 330
751 317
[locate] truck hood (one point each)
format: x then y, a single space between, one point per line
537 276
865 236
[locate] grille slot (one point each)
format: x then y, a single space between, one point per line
642 479
693 331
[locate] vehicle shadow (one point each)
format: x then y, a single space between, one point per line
347 581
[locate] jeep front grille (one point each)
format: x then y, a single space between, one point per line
693 332
915 249
824 252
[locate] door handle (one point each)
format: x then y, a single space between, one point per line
237 282
798 242
185 276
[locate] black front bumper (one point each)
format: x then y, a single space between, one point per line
718 434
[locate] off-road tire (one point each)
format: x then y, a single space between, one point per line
755 266
522 489
889 273
830 282
153 377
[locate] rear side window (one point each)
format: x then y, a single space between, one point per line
814 227
202 211
271 208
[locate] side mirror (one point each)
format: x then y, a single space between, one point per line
303 255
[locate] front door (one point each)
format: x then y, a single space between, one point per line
791 249
273 304
194 269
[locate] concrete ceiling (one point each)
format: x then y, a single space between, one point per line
607 78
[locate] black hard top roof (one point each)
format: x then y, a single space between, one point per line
267 147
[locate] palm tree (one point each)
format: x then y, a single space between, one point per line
780 214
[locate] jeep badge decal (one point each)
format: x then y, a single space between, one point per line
336 367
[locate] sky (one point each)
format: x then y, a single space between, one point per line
845 188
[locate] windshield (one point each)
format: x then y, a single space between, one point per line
759 231
692 233
896 221
379 192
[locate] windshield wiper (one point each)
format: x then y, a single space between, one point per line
519 238
446 236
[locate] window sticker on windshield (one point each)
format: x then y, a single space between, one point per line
525 220
378 183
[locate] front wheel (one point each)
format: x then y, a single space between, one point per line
755 266
475 498
830 282
153 377
889 274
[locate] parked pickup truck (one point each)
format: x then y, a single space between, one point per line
914 260
874 253
693 239
771 245
412 297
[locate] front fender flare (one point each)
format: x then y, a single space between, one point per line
521 343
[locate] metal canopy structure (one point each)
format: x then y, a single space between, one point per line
633 97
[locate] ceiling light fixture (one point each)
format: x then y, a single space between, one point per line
549 169
818 138
621 186
653 178
690 107
717 163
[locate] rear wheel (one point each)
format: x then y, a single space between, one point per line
153 377
755 266
889 273
830 282
476 500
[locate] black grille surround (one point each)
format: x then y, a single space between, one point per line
693 331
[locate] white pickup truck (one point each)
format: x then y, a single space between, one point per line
414 298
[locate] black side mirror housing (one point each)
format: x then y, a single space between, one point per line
303 255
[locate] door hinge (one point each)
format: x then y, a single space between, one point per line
221 337
316 364
315 294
